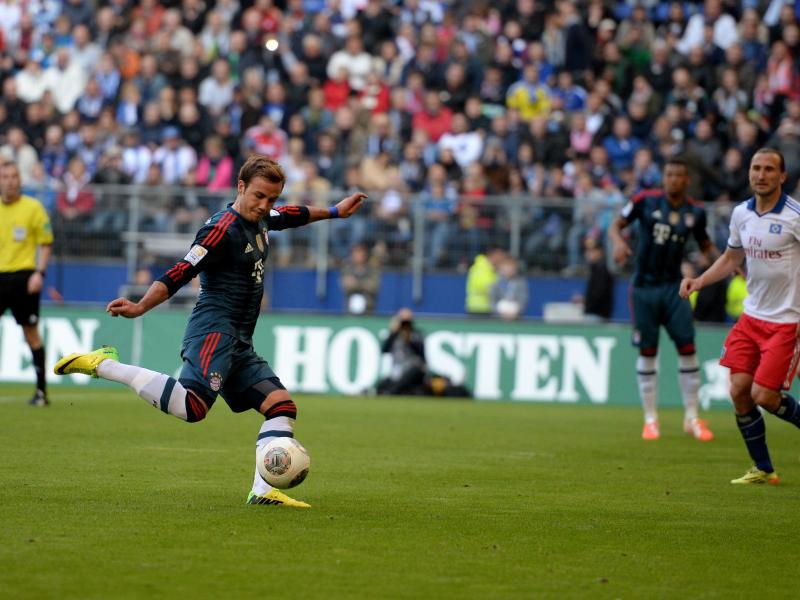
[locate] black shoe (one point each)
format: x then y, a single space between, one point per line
39 399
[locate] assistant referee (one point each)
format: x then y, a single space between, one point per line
24 228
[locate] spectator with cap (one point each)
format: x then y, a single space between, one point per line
174 157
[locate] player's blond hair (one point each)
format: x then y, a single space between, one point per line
261 166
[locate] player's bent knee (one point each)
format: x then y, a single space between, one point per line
196 409
766 398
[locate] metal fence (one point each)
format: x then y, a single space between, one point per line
147 227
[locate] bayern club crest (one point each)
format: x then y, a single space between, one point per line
688 219
215 381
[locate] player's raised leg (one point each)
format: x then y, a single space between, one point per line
162 391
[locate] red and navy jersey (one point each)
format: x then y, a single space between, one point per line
229 253
664 231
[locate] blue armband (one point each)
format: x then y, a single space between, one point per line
333 212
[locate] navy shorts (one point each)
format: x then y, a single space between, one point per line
14 295
216 363
657 305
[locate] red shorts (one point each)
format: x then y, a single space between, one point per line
767 351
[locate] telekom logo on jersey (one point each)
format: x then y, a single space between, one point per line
753 249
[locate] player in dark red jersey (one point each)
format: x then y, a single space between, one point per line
228 253
667 219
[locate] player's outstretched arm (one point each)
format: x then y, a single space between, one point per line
343 209
722 267
122 307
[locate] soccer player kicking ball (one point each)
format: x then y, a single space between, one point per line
229 253
667 218
762 349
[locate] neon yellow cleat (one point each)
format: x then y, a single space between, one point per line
85 362
756 475
650 431
277 498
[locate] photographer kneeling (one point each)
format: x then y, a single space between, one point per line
407 348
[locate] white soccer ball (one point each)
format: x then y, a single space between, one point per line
283 462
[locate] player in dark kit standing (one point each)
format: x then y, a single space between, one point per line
218 356
667 218
24 227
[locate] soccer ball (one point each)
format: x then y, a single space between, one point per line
283 462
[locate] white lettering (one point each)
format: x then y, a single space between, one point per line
581 363
440 360
14 351
357 347
61 338
532 374
488 348
301 349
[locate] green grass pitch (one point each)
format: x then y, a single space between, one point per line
104 497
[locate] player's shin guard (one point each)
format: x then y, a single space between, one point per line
278 422
789 410
162 391
689 377
647 377
754 433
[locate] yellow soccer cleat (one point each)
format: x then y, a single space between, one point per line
277 498
86 362
756 475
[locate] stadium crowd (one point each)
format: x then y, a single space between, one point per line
435 103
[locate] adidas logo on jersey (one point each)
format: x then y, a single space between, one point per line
248 248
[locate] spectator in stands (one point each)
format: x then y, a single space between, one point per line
467 146
723 25
354 59
438 201
360 279
174 157
90 102
66 80
75 205
216 90
215 169
149 81
621 146
18 150
509 292
528 95
54 155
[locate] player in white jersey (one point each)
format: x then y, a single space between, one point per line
763 347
